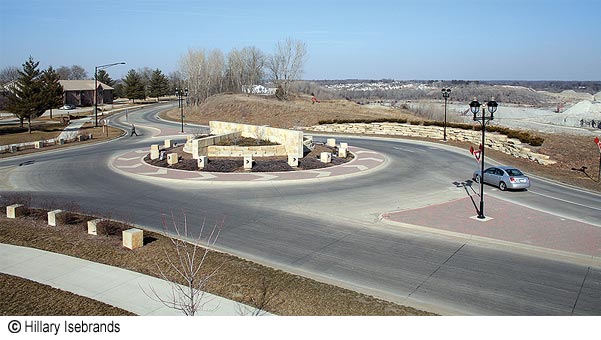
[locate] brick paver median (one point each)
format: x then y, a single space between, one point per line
510 222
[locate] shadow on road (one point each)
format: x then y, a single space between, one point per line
469 190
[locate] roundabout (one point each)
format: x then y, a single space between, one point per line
334 231
132 164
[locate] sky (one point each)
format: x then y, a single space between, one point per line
369 39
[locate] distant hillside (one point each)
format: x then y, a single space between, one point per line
267 110
534 93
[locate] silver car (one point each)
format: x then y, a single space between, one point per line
504 177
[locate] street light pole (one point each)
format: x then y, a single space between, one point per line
482 118
96 68
180 93
445 93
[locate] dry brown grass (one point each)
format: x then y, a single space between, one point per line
263 110
40 130
98 134
237 279
25 297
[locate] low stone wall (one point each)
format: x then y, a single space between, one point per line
240 151
198 147
494 141
290 139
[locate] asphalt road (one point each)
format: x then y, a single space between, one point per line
330 230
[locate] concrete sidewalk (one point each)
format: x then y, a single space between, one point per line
506 224
111 285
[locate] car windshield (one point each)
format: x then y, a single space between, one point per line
514 172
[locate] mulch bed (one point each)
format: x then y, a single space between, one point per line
261 164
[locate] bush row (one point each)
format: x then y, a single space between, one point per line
522 136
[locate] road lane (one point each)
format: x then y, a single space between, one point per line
329 230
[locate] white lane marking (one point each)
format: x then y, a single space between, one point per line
360 167
402 149
128 159
563 200
264 177
203 177
158 172
141 151
371 159
364 151
320 173
129 166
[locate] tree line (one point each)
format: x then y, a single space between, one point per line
206 73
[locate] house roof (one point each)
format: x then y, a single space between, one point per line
82 85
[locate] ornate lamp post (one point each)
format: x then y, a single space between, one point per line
445 93
180 94
482 118
96 68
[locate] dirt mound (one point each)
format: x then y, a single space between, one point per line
267 110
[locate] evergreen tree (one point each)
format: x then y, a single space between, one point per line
27 98
159 84
133 86
104 77
53 90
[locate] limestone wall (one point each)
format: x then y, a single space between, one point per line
240 151
290 139
494 141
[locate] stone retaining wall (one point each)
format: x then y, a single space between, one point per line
494 141
290 139
240 151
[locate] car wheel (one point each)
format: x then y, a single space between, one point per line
477 179
502 186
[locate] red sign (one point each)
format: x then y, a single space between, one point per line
476 153
598 142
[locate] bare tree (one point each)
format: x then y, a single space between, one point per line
8 74
78 72
254 63
193 68
64 72
235 70
185 258
287 62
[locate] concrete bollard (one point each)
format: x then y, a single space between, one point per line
331 142
189 138
326 157
342 153
293 161
39 144
248 162
202 161
172 158
56 217
133 238
154 151
93 226
90 136
344 146
13 148
15 210
168 143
